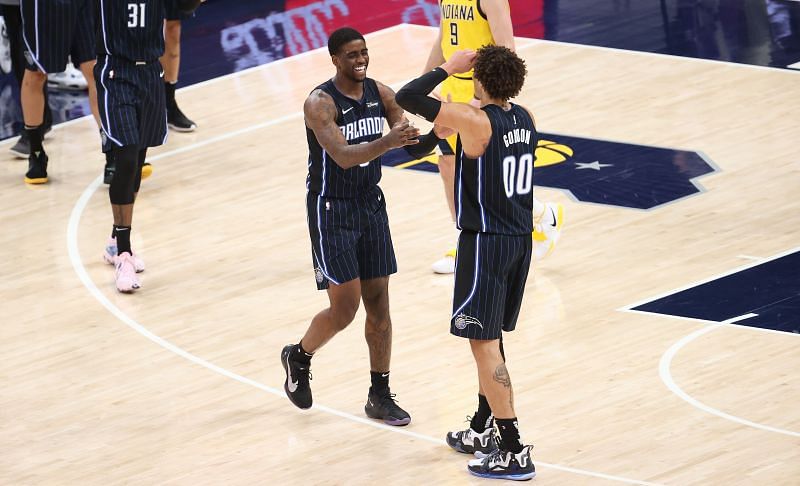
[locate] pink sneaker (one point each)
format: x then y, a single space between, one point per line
125 275
110 256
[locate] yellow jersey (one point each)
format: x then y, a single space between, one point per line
464 26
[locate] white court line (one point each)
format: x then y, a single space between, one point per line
94 291
666 376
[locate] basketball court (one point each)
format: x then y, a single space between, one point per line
616 380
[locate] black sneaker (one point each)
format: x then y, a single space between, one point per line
37 169
296 386
22 149
384 407
505 465
108 171
178 121
481 444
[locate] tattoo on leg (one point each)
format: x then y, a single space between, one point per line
379 341
501 376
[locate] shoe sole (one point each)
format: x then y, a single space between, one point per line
285 364
147 171
182 129
19 154
512 477
388 421
37 180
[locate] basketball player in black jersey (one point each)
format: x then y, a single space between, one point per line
494 206
352 250
133 117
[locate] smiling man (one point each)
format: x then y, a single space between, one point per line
351 247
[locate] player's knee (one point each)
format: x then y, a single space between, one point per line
123 185
343 313
485 349
34 78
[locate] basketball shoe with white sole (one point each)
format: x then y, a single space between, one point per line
125 274
547 231
505 465
447 264
468 441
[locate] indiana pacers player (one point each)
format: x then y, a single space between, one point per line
471 24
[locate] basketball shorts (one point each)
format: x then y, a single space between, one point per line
55 30
460 91
491 271
350 238
132 103
172 12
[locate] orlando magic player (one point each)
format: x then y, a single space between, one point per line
494 206
133 114
351 244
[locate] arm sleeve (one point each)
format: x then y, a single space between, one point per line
414 97
425 146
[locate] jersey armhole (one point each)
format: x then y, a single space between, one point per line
481 12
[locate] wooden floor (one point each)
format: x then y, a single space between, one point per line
181 382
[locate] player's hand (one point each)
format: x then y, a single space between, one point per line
460 62
403 133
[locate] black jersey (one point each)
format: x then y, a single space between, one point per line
494 193
360 121
130 29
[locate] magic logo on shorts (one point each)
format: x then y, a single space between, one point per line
462 321
603 172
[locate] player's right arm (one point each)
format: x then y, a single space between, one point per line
498 13
436 57
320 115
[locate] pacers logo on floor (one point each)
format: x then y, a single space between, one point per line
603 172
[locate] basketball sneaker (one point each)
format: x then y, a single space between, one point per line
125 274
147 170
547 230
110 256
384 407
297 385
468 441
447 264
22 149
70 79
178 121
504 465
37 168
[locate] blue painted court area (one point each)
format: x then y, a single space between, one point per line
770 289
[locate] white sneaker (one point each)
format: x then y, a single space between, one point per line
548 230
110 256
447 264
70 79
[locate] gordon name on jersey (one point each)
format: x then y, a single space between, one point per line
517 135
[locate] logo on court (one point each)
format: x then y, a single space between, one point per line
318 275
602 172
462 321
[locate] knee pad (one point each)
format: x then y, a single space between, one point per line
122 186
138 173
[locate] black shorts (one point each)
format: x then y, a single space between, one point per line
350 238
172 12
55 30
132 103
491 271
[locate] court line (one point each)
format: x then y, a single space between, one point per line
666 376
94 291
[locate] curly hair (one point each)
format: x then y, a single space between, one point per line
500 71
340 37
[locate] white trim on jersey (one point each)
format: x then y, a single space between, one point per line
34 55
322 264
475 276
460 190
480 191
103 21
107 127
